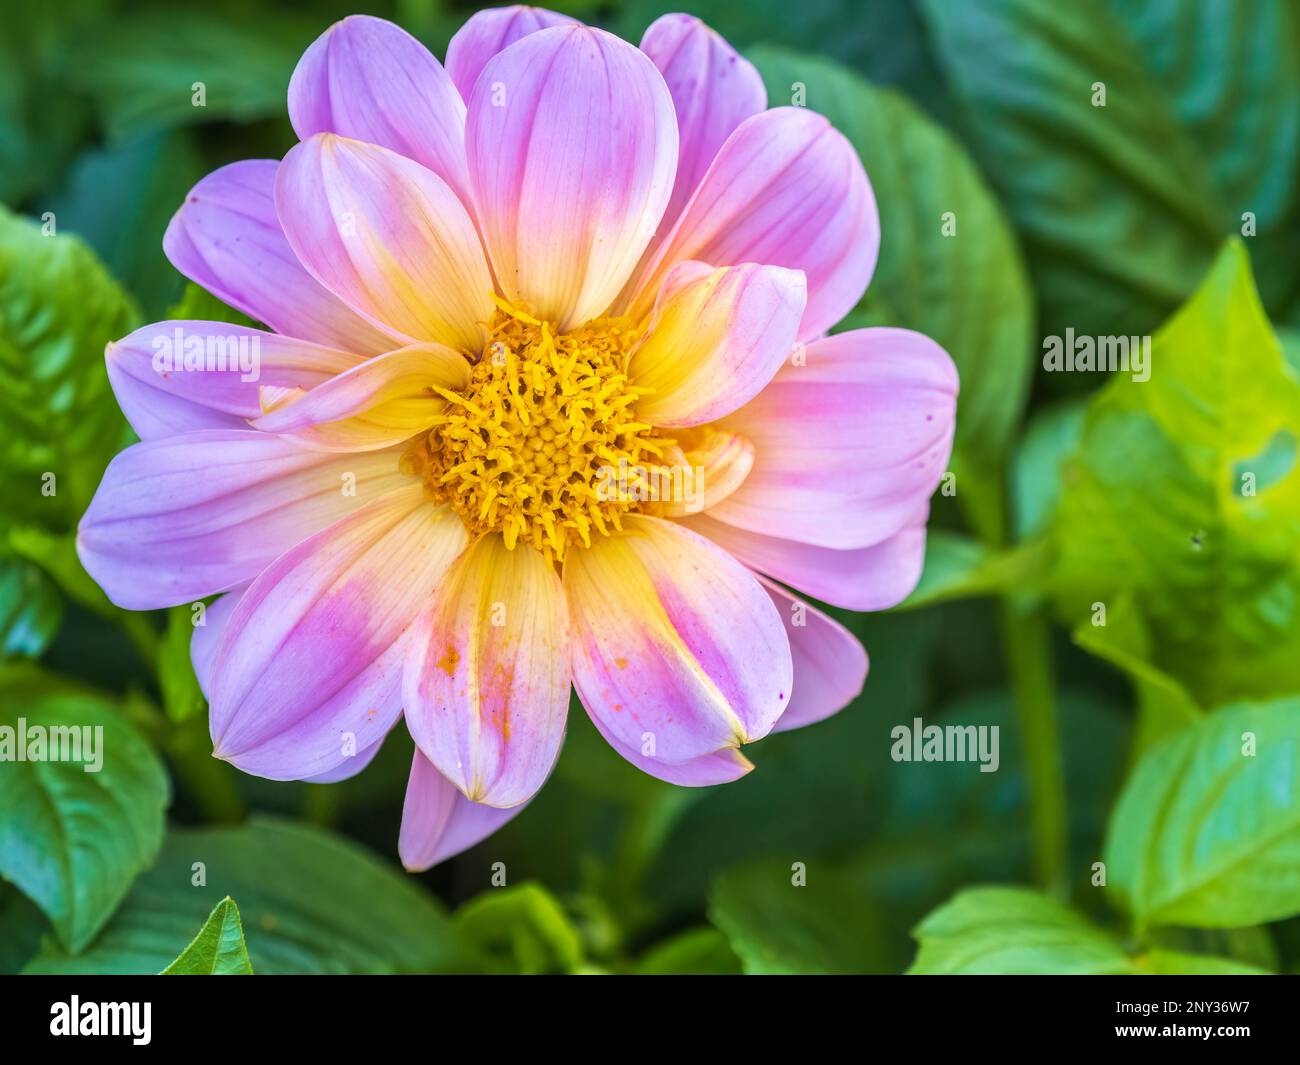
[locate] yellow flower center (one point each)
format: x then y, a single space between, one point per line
532 447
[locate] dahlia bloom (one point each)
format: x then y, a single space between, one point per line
546 401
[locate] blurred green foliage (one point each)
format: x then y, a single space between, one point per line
1094 159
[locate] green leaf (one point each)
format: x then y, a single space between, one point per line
145 71
522 929
313 902
957 567
1004 930
1175 963
120 199
1122 206
182 698
968 290
1207 830
1156 507
1051 436
198 304
825 925
218 949
30 609
700 951
58 308
74 834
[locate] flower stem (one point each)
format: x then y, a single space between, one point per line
1027 638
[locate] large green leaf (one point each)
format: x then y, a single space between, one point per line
1207 831
1015 931
997 930
1183 496
58 308
1122 206
312 902
967 290
72 836
218 949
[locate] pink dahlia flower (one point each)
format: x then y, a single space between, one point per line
546 401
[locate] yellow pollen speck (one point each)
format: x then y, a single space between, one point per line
532 448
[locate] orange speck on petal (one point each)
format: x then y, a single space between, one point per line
448 662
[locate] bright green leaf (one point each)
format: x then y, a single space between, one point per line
58 308
218 949
1155 506
523 928
1207 830
1012 931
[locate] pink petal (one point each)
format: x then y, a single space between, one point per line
721 767
715 339
350 766
714 89
572 147
382 402
163 391
388 237
676 645
830 666
438 822
714 466
207 637
861 578
487 675
227 238
370 80
311 661
179 519
788 190
850 445
489 32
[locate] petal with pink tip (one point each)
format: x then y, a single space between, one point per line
370 80
487 674
830 666
388 237
182 376
721 767
716 338
860 578
572 146
438 822
179 519
850 444
713 88
382 402
492 31
309 668
227 238
676 646
789 190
